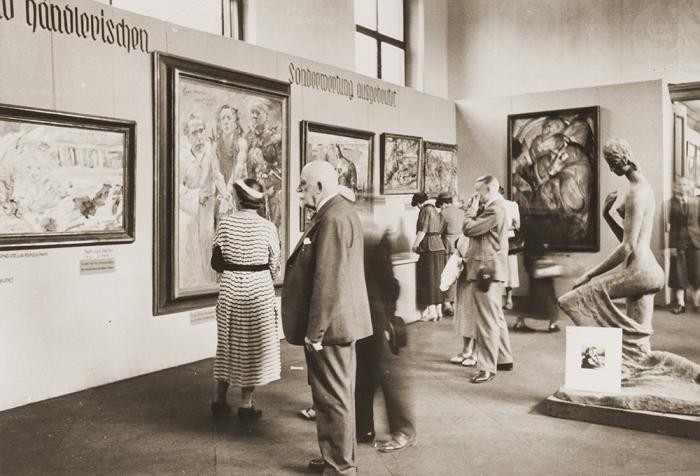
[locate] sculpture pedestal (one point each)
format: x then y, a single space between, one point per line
685 426
405 272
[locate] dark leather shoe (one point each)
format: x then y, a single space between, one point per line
483 376
365 437
220 409
553 327
317 465
508 366
678 309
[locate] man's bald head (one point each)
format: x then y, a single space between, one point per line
318 180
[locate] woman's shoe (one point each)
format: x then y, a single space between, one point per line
458 359
483 376
398 441
220 409
469 361
248 414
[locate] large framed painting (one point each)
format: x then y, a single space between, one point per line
553 176
350 151
401 159
440 174
213 126
65 179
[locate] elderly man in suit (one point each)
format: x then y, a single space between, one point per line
487 257
326 309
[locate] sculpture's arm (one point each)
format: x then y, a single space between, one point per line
614 226
632 229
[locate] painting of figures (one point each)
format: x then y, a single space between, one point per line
65 179
553 173
350 151
401 164
225 126
440 168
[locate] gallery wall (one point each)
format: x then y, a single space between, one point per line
505 47
637 112
63 331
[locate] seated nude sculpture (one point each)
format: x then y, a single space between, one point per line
652 380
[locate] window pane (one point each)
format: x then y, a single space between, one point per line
366 13
203 15
365 55
391 18
393 61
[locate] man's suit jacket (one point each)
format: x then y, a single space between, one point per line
488 246
324 296
684 223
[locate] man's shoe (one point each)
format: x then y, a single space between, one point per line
508 366
317 465
365 437
483 376
553 327
678 309
399 441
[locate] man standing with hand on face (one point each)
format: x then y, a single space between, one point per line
487 257
326 309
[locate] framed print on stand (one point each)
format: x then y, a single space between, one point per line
401 164
65 179
350 151
213 126
553 175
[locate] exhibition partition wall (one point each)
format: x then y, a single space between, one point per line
74 316
637 112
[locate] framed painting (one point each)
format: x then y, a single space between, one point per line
440 174
65 179
553 176
401 164
350 151
213 126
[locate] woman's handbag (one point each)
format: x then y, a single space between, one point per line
217 259
516 243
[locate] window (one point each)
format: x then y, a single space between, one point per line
380 47
220 17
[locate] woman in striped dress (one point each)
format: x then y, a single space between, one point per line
247 251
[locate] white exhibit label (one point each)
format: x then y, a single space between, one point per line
97 265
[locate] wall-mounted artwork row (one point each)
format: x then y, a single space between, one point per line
350 151
553 173
401 164
213 127
65 179
440 174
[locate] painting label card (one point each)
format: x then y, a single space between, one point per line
97 266
202 315
593 359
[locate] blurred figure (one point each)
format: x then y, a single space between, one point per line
431 257
542 270
513 281
375 366
683 226
247 252
487 257
452 218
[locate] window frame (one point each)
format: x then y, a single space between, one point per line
382 38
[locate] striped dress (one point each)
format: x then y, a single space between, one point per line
248 345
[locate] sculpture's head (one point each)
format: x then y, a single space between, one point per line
618 155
